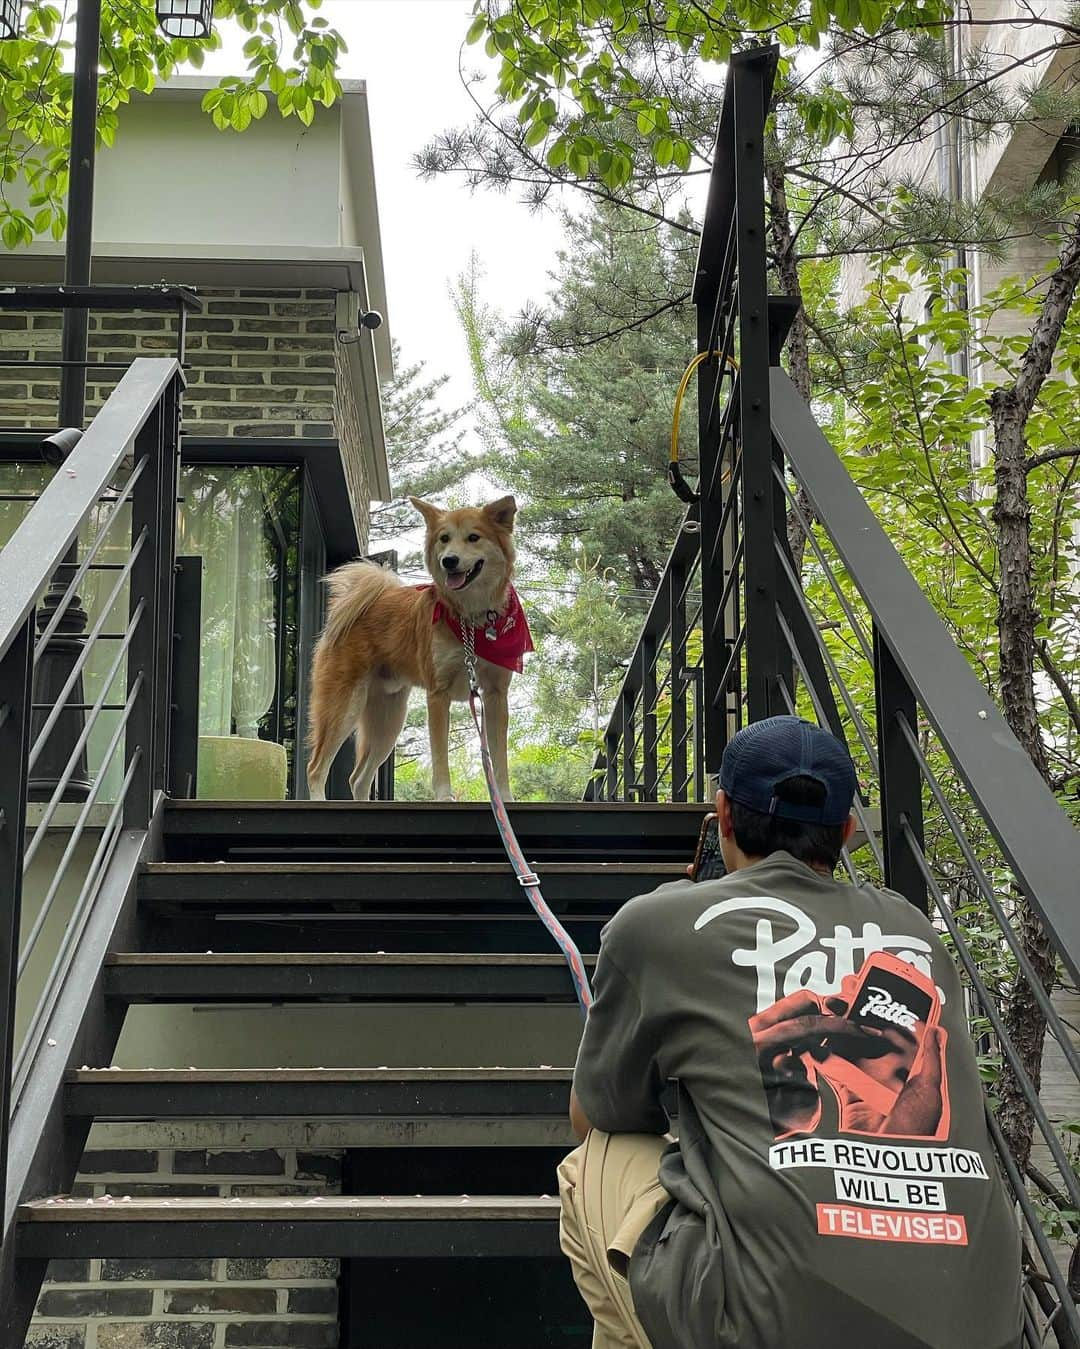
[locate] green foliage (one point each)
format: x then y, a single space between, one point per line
578 398
911 420
292 58
425 452
569 70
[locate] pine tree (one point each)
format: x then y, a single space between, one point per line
423 446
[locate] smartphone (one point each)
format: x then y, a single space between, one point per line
708 859
891 1009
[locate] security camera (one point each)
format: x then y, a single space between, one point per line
371 318
56 448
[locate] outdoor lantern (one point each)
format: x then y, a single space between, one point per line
9 19
183 18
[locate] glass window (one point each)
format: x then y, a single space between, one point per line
243 521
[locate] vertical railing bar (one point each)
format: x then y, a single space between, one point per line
611 751
143 656
84 736
648 718
629 744
764 660
84 565
699 733
677 582
84 656
168 468
16 666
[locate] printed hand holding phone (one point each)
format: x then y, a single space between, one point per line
875 1047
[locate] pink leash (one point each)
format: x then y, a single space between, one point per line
527 878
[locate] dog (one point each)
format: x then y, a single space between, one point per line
383 638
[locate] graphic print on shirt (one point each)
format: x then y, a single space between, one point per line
869 1059
848 1041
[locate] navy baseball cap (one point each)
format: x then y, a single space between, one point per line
766 753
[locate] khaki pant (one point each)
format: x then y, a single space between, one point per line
609 1194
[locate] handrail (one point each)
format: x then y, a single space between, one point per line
119 485
969 830
1037 837
52 523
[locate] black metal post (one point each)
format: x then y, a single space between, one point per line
80 208
900 776
611 759
384 779
649 757
56 661
629 759
766 659
187 636
153 512
677 625
15 672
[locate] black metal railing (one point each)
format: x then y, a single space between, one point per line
107 749
952 812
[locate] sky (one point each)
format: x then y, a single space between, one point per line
407 51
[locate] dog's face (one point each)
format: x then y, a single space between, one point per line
470 552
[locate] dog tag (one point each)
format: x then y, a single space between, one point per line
490 632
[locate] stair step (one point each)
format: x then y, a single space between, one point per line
384 1226
202 829
261 1093
361 884
355 977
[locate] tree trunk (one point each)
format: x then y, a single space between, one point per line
1010 407
798 350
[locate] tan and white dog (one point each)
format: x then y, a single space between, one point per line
383 638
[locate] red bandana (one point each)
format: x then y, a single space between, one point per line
502 639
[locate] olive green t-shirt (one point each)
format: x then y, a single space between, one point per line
834 1183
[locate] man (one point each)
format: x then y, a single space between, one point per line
833 1183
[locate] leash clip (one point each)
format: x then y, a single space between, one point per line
528 879
468 642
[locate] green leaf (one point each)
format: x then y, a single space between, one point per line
664 151
535 134
477 29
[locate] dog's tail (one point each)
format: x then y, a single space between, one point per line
353 590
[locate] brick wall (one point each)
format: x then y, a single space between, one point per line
264 364
195 1304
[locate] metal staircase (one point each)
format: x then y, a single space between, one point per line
177 902
384 930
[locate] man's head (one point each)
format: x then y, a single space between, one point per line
785 785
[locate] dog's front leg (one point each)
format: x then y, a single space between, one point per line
438 706
497 710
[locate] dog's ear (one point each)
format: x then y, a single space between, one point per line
501 513
427 510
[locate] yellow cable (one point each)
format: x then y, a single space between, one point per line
684 384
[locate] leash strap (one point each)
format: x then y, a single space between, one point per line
527 878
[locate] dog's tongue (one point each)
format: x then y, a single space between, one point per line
455 580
